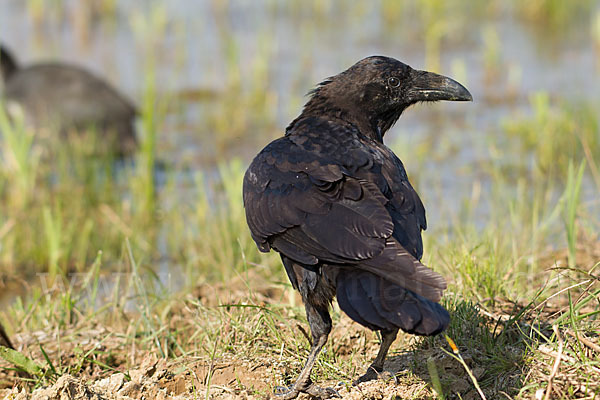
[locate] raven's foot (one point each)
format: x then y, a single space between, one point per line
372 374
286 392
291 392
322 393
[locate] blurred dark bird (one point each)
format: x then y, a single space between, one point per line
4 340
66 97
337 205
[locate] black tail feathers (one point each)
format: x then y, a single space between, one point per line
381 305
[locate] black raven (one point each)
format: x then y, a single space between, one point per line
337 205
65 97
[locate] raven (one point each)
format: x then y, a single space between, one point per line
337 205
69 97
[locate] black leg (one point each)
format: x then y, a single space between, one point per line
320 326
377 365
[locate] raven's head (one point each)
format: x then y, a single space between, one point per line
378 89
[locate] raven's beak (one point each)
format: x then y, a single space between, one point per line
427 86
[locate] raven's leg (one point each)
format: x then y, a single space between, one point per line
320 326
377 365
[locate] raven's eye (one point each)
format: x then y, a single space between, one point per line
393 81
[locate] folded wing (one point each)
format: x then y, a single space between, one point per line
315 211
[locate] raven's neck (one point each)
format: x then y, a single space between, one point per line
322 107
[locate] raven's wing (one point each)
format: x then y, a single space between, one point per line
337 210
405 206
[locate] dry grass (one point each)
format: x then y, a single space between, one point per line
243 338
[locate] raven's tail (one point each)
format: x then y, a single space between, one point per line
381 305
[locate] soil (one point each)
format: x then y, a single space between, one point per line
141 374
230 377
156 379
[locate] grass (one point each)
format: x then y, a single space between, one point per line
148 266
554 13
556 133
241 311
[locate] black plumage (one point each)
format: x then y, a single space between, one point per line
67 97
337 204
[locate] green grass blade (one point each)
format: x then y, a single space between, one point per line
20 361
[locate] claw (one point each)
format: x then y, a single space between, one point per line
290 392
373 374
370 375
286 392
322 393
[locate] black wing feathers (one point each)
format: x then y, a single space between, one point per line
332 198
